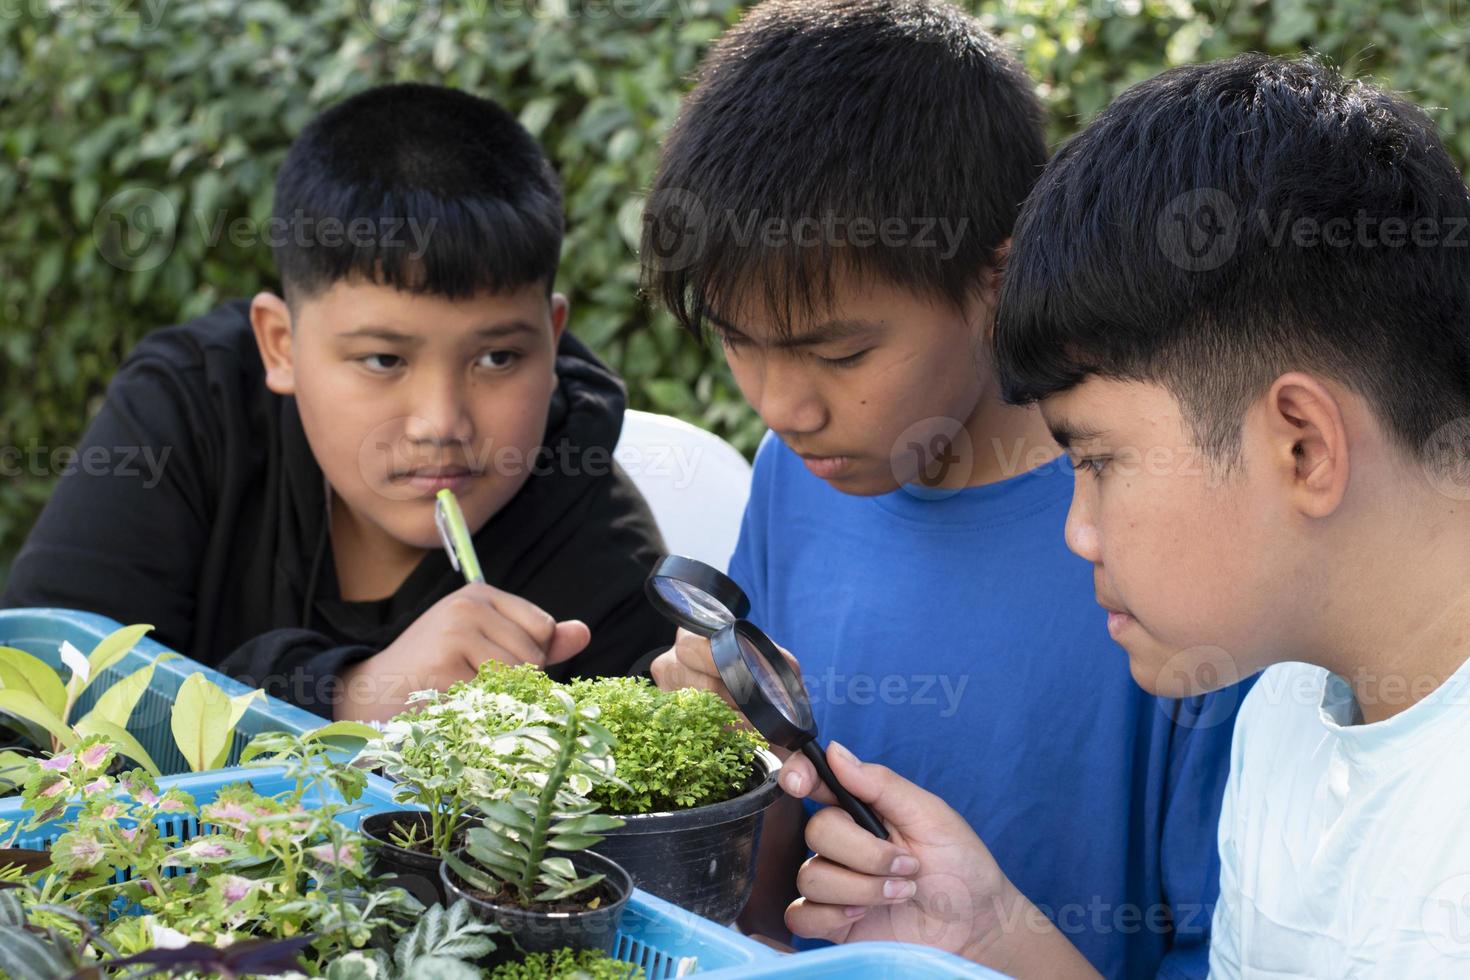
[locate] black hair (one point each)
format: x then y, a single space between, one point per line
452 194
1224 223
864 114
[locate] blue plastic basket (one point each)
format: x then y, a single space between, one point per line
40 632
664 940
866 961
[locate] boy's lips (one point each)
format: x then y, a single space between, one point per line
826 467
1118 620
432 479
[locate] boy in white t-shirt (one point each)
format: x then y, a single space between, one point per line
1241 298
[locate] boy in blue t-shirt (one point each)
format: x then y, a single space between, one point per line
836 201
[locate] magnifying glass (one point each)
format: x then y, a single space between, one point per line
761 682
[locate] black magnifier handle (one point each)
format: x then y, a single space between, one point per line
861 813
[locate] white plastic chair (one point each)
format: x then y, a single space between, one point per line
695 483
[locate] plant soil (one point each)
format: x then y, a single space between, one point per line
602 893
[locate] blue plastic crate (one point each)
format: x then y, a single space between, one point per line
866 961
40 632
665 940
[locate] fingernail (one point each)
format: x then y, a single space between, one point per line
904 864
793 783
842 753
855 911
899 889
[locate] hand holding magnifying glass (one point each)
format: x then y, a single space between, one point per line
761 682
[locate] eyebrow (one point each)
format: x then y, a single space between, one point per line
1066 433
826 333
497 331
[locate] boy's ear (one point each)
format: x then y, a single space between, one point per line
1308 441
990 282
561 310
995 274
270 318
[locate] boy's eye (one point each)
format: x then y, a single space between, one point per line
498 358
848 361
1093 464
381 363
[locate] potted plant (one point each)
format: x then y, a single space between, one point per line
526 866
693 784
445 757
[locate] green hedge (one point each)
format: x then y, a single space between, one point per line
189 106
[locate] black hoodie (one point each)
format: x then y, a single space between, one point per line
196 505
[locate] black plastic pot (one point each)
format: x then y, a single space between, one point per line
544 932
414 871
702 859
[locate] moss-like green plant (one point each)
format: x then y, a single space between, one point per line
564 964
674 749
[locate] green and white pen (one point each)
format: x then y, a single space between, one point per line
455 534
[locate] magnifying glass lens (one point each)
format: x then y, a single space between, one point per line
770 682
694 603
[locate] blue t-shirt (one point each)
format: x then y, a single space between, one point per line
952 637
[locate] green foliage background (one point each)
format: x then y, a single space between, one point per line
198 100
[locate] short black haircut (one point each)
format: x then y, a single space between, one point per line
482 198
1223 223
829 121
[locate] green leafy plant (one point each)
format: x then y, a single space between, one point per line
442 945
444 755
203 718
278 867
549 768
673 749
566 964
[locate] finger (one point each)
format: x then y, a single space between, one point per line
899 802
791 660
694 654
799 779
816 921
833 835
504 640
829 883
535 622
571 638
670 675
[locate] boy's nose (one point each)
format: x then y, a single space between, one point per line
1080 532
787 405
441 416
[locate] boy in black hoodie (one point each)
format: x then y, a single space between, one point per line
287 534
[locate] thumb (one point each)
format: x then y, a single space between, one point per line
570 639
902 804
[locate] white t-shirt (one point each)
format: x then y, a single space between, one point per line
1344 847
